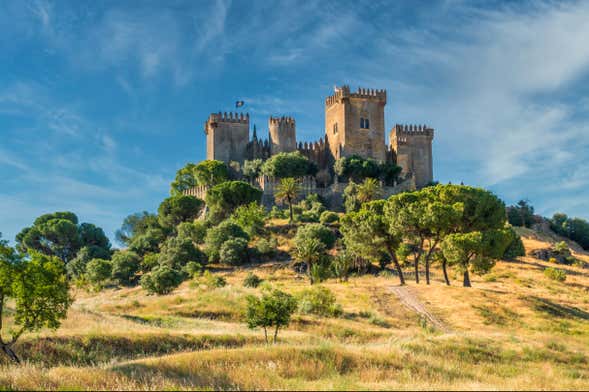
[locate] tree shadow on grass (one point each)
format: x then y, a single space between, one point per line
557 310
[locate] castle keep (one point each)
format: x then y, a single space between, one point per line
354 125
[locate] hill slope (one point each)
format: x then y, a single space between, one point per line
515 329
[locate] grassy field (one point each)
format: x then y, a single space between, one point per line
515 329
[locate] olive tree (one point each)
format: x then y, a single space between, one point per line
39 288
272 310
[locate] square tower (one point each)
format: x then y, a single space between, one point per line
227 136
354 123
412 145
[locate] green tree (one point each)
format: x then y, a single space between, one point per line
521 214
234 251
251 218
147 242
367 234
272 310
252 169
211 172
217 235
223 199
161 280
177 209
136 224
185 179
98 271
196 231
176 252
125 264
318 231
355 168
475 251
39 288
288 165
287 192
77 267
389 173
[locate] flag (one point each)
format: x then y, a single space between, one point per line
239 104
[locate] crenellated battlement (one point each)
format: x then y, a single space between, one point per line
364 93
404 130
284 120
229 118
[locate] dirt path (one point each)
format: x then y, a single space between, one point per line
410 300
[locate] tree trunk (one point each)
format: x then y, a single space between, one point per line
466 282
266 334
290 209
427 270
276 334
416 259
445 272
397 267
11 354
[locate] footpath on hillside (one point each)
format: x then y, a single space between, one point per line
410 301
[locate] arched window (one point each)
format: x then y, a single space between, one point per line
366 124
334 128
361 123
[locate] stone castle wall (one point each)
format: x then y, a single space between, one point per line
413 147
227 136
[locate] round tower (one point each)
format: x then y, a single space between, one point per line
282 134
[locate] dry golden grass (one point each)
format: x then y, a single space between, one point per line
515 329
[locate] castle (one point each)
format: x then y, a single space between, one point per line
354 125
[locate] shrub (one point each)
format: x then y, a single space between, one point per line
266 247
341 265
252 280
216 236
224 198
125 265
161 280
148 242
318 231
310 209
328 217
319 300
234 251
552 260
274 309
213 280
98 271
77 267
193 269
178 251
196 231
515 248
149 262
250 218
555 274
277 213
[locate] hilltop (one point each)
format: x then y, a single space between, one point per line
514 329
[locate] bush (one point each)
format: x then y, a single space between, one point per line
341 265
319 300
318 231
310 209
252 280
250 218
161 280
196 231
213 280
178 251
234 251
193 269
125 265
266 247
216 237
77 267
555 274
328 217
224 198
552 260
148 242
516 248
277 213
274 309
98 271
149 262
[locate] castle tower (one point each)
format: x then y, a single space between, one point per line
227 136
354 123
282 134
412 145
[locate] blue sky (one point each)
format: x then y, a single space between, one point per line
101 102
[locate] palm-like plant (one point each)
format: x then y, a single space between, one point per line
369 190
288 191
